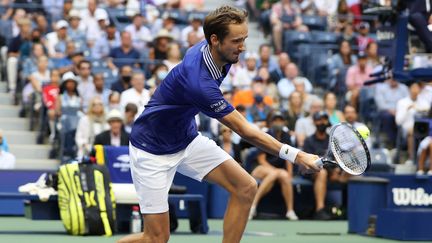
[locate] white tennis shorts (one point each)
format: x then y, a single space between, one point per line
152 174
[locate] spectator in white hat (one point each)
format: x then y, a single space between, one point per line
141 35
116 135
56 41
243 77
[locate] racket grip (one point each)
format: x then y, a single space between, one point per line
319 163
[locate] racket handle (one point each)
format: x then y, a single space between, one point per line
319 163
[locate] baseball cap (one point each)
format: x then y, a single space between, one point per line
69 76
61 24
277 114
320 115
74 14
101 15
114 115
361 54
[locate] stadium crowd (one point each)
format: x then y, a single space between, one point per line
86 68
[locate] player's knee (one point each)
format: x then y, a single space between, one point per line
247 192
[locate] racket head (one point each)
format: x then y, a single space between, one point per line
349 149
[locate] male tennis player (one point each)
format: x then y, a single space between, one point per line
165 139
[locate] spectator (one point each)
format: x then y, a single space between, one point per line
307 7
356 76
94 33
318 144
131 111
50 92
294 112
191 5
278 73
114 101
424 149
225 140
341 18
174 56
68 108
56 41
259 111
338 65
407 109
243 77
194 27
372 54
137 95
160 71
141 35
247 97
363 38
106 42
161 45
271 169
326 7
286 85
284 16
305 126
86 88
265 59
115 136
386 97
75 32
18 48
30 64
99 88
42 24
270 88
125 54
351 116
330 104
3 143
307 98
90 17
38 79
89 126
169 25
7 160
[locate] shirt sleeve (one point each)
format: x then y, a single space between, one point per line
210 101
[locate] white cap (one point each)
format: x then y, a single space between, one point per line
69 76
114 115
74 14
253 55
61 24
101 15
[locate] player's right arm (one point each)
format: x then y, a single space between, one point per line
264 141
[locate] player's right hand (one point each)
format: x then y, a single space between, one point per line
307 163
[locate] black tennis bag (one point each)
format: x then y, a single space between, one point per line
86 200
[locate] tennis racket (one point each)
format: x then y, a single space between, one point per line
347 149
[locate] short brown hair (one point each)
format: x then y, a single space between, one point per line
217 21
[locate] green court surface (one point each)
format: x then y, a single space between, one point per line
19 229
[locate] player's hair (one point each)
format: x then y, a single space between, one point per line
218 20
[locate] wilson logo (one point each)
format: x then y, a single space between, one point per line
411 197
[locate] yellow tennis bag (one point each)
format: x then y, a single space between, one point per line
86 200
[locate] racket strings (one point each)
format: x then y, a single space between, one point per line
348 150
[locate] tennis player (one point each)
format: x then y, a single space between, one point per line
165 139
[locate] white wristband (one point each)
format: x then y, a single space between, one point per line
288 153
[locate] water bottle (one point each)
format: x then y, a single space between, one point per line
136 222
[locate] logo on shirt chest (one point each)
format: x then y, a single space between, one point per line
218 106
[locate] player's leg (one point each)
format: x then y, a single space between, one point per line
242 188
156 230
268 176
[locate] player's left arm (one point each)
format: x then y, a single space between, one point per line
264 141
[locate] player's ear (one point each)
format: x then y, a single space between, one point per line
214 40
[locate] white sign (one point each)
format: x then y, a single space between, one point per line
411 197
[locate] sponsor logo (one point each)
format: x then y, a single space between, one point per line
219 106
411 197
122 163
385 35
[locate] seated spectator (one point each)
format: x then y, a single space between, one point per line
131 111
247 97
7 160
125 54
99 88
355 78
3 143
243 77
291 21
191 5
330 104
168 25
225 140
174 56
115 136
160 71
106 42
37 79
124 81
318 144
259 111
338 65
407 109
270 88
425 149
50 92
194 27
307 98
278 73
91 15
270 169
372 54
30 64
326 7
286 85
137 95
307 7
265 58
351 116
305 126
341 18
386 97
75 31
89 126
141 35
86 87
294 112
56 41
114 101
161 44
363 39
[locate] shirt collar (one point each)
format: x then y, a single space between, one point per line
210 63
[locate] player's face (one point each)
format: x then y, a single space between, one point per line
234 43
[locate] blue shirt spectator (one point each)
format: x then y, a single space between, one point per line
125 51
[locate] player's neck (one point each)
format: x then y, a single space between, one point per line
217 59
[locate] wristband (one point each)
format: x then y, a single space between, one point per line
288 153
